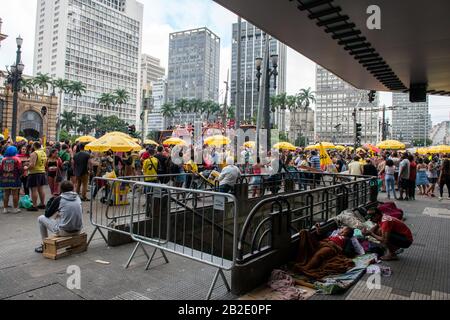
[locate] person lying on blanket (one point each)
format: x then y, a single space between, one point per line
320 259
392 233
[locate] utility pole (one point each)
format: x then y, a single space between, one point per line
238 83
225 104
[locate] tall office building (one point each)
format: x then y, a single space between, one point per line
151 76
440 133
253 43
194 68
411 122
155 119
336 101
151 72
2 36
96 42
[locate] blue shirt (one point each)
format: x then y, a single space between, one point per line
315 162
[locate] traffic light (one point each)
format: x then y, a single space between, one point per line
358 133
372 96
131 129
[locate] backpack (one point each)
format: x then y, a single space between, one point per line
9 166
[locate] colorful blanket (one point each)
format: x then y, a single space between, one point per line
341 283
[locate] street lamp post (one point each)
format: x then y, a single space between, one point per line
270 72
14 78
147 105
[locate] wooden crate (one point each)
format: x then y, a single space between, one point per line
59 247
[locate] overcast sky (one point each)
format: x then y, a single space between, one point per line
162 17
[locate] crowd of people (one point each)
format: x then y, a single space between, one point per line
29 168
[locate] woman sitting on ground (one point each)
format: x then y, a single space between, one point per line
318 259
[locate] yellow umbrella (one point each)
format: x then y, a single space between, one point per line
20 139
174 142
217 141
285 146
86 139
151 142
117 133
391 145
340 148
250 144
439 149
326 145
115 143
422 151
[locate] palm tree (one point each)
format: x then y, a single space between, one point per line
63 86
121 97
182 105
282 104
291 103
167 111
307 97
77 88
42 81
68 121
274 104
106 100
85 124
27 85
195 105
214 109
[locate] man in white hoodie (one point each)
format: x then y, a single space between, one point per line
68 214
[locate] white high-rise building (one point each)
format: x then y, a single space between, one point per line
96 42
155 118
336 101
411 122
151 72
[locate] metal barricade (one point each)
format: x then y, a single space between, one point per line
303 210
196 224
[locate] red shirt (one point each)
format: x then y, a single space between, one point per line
339 240
391 224
412 171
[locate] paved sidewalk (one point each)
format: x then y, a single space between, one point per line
423 272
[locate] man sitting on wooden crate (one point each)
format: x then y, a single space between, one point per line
68 215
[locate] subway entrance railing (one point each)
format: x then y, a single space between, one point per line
211 228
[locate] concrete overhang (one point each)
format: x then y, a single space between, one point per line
412 46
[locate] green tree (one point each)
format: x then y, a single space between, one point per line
112 123
27 85
167 111
306 97
85 125
63 86
106 100
68 120
121 97
195 105
77 89
231 112
64 135
182 106
42 81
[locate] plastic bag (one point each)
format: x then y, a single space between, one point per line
25 202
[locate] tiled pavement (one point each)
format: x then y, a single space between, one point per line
422 272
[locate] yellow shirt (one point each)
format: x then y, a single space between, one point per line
40 162
191 166
150 168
